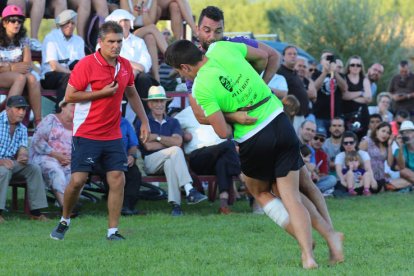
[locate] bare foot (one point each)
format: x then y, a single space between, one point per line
308 263
336 253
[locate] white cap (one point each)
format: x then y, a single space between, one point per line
406 125
120 14
65 16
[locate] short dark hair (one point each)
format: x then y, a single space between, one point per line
403 63
109 27
349 134
375 115
288 47
182 52
211 12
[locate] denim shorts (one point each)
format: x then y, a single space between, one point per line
87 154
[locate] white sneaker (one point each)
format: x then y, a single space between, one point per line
35 45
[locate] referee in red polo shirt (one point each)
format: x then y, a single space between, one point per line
97 86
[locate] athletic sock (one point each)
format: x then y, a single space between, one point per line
67 220
35 212
112 231
188 187
224 198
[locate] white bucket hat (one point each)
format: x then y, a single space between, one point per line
120 14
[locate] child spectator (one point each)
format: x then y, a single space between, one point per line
355 176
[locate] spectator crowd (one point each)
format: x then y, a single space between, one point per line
355 139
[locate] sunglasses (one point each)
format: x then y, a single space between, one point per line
347 143
14 20
316 138
355 65
311 70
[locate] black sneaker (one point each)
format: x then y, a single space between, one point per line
195 197
176 211
115 237
59 232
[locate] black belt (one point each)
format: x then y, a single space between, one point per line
256 105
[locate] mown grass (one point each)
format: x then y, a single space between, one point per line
379 241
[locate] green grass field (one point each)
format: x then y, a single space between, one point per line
379 241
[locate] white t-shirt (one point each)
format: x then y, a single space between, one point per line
57 47
278 82
340 158
203 135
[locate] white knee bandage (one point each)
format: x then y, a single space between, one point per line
276 211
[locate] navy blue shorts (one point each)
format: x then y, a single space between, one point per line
88 153
272 152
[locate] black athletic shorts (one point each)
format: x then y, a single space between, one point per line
272 152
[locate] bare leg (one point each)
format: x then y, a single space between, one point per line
260 190
14 81
308 188
176 20
59 197
288 187
100 7
37 11
187 14
83 8
58 6
407 174
153 51
72 192
400 183
159 38
33 87
116 182
333 239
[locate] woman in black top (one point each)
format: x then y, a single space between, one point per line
357 98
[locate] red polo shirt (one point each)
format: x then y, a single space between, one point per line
99 119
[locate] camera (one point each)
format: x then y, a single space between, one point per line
405 139
331 58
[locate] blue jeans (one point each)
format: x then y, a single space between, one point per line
326 182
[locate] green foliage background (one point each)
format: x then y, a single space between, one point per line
378 31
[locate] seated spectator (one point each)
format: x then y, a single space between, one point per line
332 145
132 175
404 155
291 106
379 147
350 143
278 85
134 50
145 13
36 10
209 154
400 117
374 120
61 50
16 59
14 158
402 88
357 97
163 154
177 11
355 177
307 132
51 149
322 178
384 100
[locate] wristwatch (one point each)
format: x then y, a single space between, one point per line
158 138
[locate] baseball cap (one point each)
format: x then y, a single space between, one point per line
65 16
16 101
11 10
321 131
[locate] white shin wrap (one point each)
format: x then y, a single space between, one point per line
277 212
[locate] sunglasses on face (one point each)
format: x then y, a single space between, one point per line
311 70
316 138
14 20
347 143
355 65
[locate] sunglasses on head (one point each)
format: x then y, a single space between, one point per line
14 20
355 65
349 142
316 138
